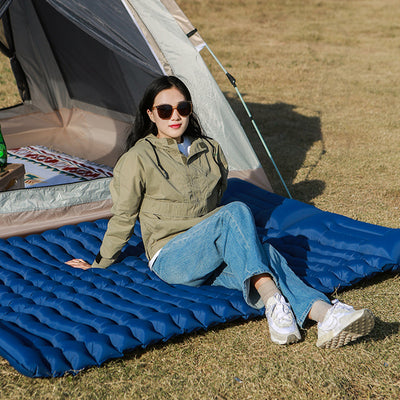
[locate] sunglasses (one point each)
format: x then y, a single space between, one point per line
165 111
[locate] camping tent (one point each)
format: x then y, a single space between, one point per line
81 67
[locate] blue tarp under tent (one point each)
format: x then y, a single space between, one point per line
57 320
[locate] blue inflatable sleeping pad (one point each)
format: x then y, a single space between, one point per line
56 320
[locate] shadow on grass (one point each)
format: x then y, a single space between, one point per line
383 330
373 280
289 136
184 337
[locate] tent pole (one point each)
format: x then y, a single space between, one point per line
233 82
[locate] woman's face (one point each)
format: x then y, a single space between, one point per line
176 125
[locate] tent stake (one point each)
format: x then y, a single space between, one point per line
232 80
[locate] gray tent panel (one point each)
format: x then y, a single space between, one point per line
4 4
110 24
96 58
87 63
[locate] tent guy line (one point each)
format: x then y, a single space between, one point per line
232 80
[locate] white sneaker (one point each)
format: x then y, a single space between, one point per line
282 324
343 324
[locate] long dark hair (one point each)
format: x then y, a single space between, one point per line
143 125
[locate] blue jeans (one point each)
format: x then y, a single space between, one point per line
224 250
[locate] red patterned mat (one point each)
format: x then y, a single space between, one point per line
46 167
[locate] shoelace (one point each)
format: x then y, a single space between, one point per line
337 304
282 312
332 318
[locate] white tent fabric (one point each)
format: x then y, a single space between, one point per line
86 65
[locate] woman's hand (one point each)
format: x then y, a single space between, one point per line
78 263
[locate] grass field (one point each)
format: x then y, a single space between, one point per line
322 79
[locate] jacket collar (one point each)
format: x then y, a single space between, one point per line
197 146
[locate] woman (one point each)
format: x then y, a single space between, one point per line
172 178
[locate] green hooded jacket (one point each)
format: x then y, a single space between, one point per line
166 190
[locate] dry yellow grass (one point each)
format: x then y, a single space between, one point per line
8 91
322 80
